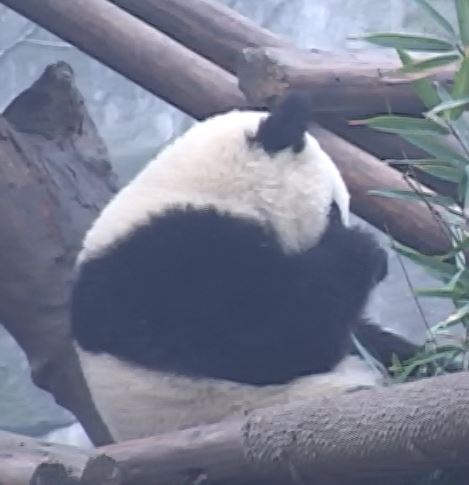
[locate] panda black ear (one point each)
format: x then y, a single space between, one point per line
287 123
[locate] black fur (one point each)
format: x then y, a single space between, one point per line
204 294
286 125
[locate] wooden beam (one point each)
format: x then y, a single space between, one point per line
139 52
356 438
207 27
220 34
345 84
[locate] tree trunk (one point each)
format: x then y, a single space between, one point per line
54 178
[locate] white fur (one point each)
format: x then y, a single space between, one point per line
213 164
143 402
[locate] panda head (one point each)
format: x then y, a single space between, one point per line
259 165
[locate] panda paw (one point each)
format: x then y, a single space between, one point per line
370 257
380 264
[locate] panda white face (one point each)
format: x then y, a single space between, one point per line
219 163
223 277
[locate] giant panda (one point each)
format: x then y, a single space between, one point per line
224 277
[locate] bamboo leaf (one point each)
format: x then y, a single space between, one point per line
437 17
461 86
443 172
436 147
449 105
419 161
442 270
431 63
422 87
462 9
411 42
403 125
466 193
413 196
457 316
438 293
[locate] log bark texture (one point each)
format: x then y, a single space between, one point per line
26 461
357 438
54 178
345 84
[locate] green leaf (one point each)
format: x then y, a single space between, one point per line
457 316
437 17
414 196
436 147
459 126
462 9
438 293
422 87
442 270
461 86
430 63
466 194
442 172
457 248
418 161
403 125
411 42
449 105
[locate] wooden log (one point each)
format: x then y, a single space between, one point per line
356 438
54 177
345 84
208 16
23 460
144 55
207 27
221 34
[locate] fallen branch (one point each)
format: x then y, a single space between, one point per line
54 178
356 438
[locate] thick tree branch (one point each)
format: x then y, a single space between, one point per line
352 439
344 84
54 178
137 51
